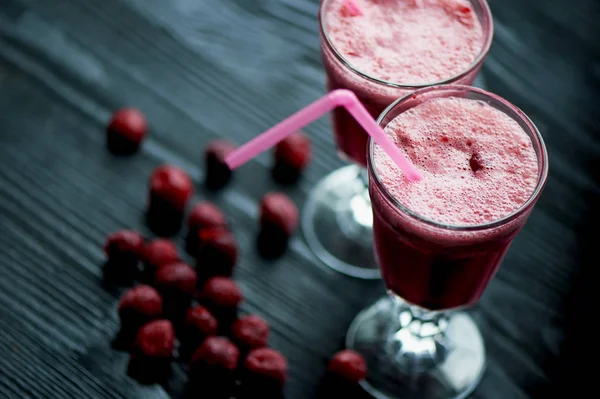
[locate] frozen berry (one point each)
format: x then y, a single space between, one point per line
199 325
176 278
278 220
250 332
138 306
170 189
222 296
123 250
349 365
217 172
278 212
153 352
265 368
206 214
215 360
156 339
202 216
291 157
217 252
158 253
125 131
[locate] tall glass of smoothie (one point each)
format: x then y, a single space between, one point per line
440 241
388 49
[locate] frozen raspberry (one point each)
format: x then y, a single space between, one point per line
156 339
158 253
202 321
278 220
170 189
217 252
123 249
278 212
125 131
291 156
138 306
222 296
216 354
349 365
217 172
203 215
250 332
176 279
206 214
266 368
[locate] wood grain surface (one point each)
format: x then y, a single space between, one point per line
207 69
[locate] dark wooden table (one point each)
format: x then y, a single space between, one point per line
207 69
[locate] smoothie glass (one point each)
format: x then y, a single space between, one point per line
418 342
337 218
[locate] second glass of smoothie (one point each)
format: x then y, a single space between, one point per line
386 50
440 241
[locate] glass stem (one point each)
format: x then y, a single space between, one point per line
417 338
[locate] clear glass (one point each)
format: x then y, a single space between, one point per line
419 342
337 219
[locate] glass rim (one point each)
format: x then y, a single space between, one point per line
542 173
489 34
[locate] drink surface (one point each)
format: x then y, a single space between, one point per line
478 164
408 42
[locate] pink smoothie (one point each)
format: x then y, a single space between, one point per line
404 42
478 167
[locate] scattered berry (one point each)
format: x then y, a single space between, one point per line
203 215
138 306
206 214
217 252
250 332
125 131
278 212
215 362
156 340
291 156
222 296
170 189
218 173
201 321
123 249
158 253
349 365
266 368
278 221
176 279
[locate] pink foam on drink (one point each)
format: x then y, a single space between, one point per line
478 164
407 42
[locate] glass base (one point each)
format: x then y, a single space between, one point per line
414 354
337 222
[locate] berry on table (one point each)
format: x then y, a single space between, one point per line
203 215
123 250
349 365
291 157
170 189
126 131
265 370
217 252
250 332
217 172
278 221
222 296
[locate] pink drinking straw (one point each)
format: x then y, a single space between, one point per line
336 98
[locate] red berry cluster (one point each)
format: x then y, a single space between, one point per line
197 307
